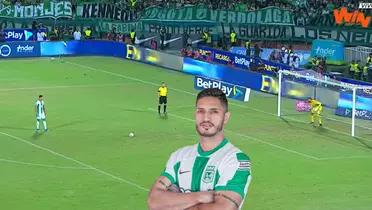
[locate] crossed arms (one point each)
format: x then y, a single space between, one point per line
164 196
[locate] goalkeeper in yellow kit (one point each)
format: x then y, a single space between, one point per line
315 111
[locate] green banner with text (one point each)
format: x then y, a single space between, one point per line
55 10
106 26
268 15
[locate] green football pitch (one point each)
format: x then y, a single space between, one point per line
87 160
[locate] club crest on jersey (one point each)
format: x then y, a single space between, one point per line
209 173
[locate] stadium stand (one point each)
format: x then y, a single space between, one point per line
306 13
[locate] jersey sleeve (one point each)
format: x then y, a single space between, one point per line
172 168
235 175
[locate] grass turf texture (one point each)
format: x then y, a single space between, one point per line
87 160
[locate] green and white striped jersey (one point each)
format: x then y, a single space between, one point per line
39 107
223 168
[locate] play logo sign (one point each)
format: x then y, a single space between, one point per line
18 34
14 36
28 35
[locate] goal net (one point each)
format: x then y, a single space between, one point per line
346 108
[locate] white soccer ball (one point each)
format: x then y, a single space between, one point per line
131 134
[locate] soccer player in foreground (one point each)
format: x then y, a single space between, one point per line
162 93
316 111
212 174
40 114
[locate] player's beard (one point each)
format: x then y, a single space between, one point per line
205 132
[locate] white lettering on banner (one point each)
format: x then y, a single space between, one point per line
204 52
359 113
222 57
14 35
24 49
43 10
367 91
242 61
214 84
325 52
365 5
268 15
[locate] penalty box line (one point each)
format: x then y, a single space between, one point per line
190 93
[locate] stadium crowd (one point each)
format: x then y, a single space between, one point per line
307 12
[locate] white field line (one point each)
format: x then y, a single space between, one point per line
42 165
347 157
328 128
348 123
57 87
76 161
277 146
31 59
251 137
190 93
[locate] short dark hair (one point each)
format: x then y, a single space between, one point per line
216 93
40 96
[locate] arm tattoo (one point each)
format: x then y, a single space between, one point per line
228 198
162 183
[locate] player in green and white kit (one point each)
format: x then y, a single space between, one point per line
212 174
40 114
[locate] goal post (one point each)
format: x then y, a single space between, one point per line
347 108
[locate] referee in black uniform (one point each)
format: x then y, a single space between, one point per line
163 92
